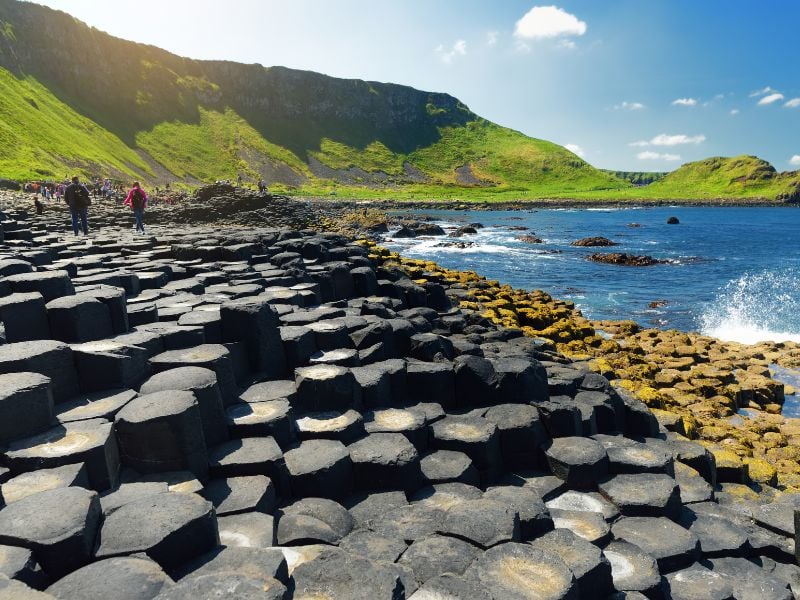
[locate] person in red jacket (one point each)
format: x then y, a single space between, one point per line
137 200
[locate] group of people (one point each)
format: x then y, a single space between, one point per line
78 198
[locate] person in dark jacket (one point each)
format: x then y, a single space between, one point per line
77 197
137 200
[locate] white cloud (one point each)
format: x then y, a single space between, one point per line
762 92
793 103
664 139
447 56
734 111
575 149
650 155
548 22
521 47
684 102
629 106
770 99
568 44
795 160
491 37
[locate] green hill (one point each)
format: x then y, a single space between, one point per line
737 178
73 98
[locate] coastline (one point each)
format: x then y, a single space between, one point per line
520 205
720 394
696 385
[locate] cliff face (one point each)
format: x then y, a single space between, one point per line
128 87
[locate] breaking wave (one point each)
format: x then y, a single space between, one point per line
758 307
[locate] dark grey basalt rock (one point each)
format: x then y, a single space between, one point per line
476 437
517 571
163 431
26 405
247 530
436 555
249 456
385 461
171 528
632 569
18 563
32 482
338 574
78 318
97 405
313 520
484 522
671 545
24 317
325 387
580 462
643 494
590 568
534 517
345 426
444 466
203 384
225 585
256 419
48 357
92 442
321 468
373 545
698 583
123 578
235 495
58 525
215 357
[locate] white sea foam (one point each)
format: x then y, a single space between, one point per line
756 307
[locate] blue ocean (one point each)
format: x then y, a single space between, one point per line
733 273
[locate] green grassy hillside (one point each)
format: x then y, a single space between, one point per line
737 178
74 99
108 106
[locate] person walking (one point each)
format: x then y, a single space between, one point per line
137 200
77 197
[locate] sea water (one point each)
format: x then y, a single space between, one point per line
733 273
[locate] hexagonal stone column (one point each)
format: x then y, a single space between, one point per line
203 384
24 317
578 461
171 528
91 442
162 432
48 357
26 405
58 525
79 318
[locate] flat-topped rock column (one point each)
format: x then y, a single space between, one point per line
24 317
163 431
255 323
26 405
203 384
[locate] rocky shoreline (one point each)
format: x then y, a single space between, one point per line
520 205
233 405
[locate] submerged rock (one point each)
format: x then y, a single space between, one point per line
628 260
593 241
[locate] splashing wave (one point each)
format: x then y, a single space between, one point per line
756 307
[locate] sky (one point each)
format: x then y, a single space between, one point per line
639 85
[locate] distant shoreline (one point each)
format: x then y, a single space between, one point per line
462 205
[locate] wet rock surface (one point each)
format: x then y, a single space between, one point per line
280 413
